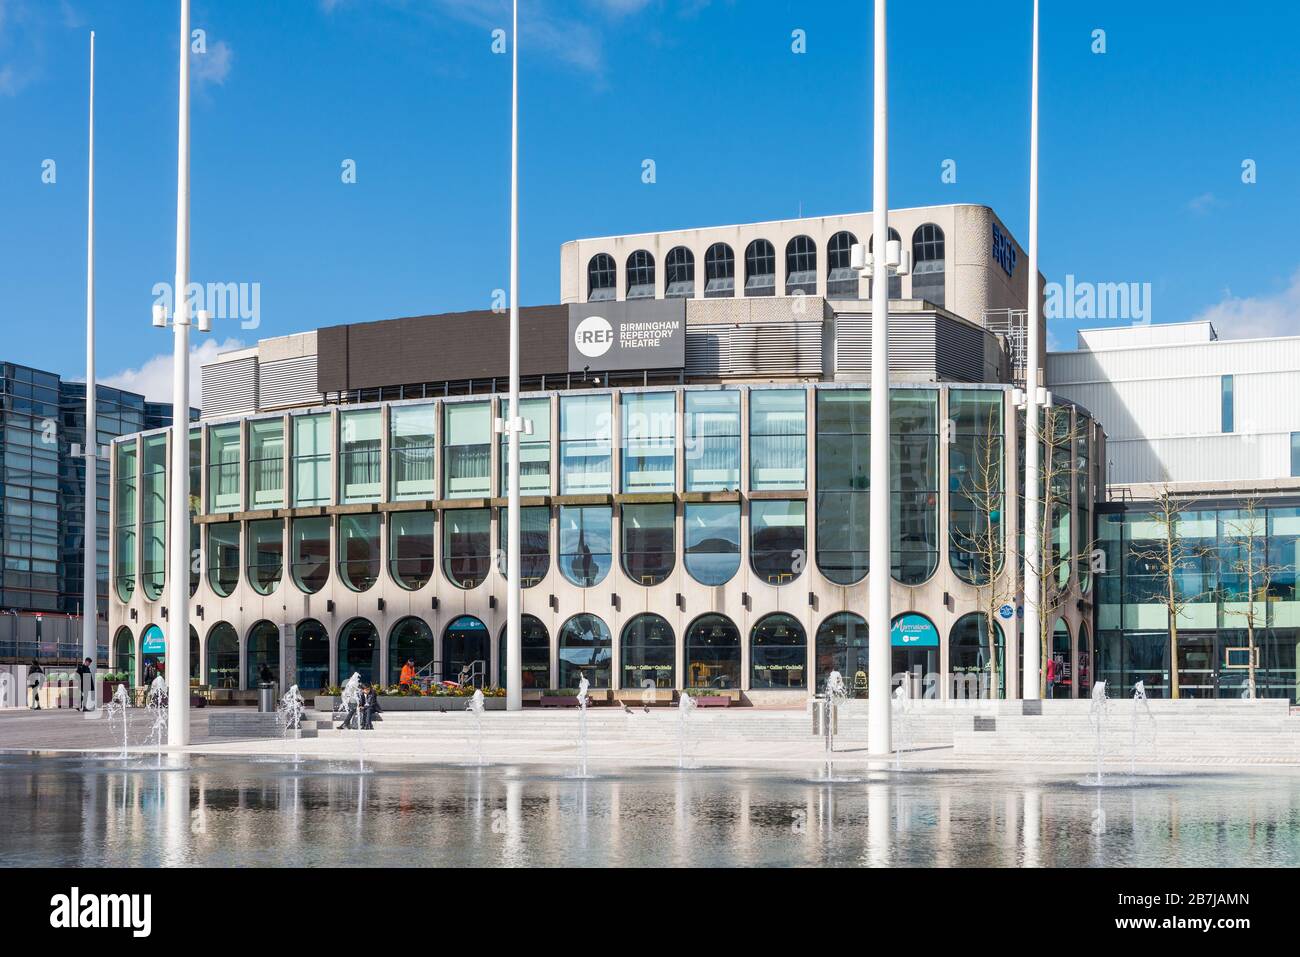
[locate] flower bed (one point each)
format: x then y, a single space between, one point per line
713 697
409 698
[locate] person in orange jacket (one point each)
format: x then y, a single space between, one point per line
408 672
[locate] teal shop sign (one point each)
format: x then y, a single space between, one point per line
914 631
154 643
467 623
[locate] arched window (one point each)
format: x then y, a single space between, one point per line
842 646
1061 679
265 555
358 651
914 651
712 653
310 544
223 657
778 653
895 281
640 275
466 546
410 639
359 555
647 652
841 280
801 266
978 667
411 538
312 664
843 474
124 519
586 543
928 264
466 651
914 424
1083 662
1087 535
977 494
535 654
223 558
712 546
760 269
534 543
680 276
194 654
649 542
263 651
586 649
778 540
124 654
153 652
719 272
602 281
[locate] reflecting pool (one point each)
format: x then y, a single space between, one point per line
67 810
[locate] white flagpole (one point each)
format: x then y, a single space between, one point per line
90 533
514 662
879 717
178 568
1033 543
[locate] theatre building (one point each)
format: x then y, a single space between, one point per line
695 483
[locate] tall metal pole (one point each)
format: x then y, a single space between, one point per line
90 533
514 661
878 727
1033 542
178 567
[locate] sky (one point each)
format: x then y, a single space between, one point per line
1169 149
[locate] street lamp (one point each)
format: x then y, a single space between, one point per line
1033 396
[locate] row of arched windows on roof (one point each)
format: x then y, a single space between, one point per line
760 269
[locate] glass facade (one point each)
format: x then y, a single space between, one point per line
586 650
712 542
413 450
647 653
410 640
153 517
263 652
411 538
586 543
309 539
360 456
712 653
467 450
586 444
843 484
976 486
535 654
223 558
124 519
312 482
711 446
466 651
359 555
266 464
778 440
649 444
778 540
534 450
466 546
778 653
842 646
265 555
649 544
535 543
224 473
914 492
223 657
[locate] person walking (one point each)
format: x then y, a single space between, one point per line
408 672
35 678
86 678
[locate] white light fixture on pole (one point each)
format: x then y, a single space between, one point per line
90 525
514 425
1033 542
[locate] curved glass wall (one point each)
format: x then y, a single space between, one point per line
1060 678
467 450
534 543
223 558
978 668
266 464
712 541
153 517
412 452
649 542
263 652
411 537
647 653
534 450
359 555
410 640
360 456
312 478
1083 502
711 446
586 444
914 467
358 651
1083 670
842 646
1058 485
310 544
778 540
196 502
223 657
843 483
778 440
124 654
976 484
466 651
586 543
649 441
124 516
466 546
265 555
535 654
778 653
712 653
224 472
586 650
312 662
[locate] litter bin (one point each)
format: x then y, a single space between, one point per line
266 697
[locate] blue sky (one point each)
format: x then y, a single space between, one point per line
1142 148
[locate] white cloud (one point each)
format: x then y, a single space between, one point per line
154 379
213 66
1203 203
1254 317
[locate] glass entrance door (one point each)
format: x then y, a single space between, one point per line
1198 664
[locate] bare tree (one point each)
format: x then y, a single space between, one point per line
1247 534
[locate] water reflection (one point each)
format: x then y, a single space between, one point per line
224 812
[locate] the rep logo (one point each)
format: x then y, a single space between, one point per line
594 337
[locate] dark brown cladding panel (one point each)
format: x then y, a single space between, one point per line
451 347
